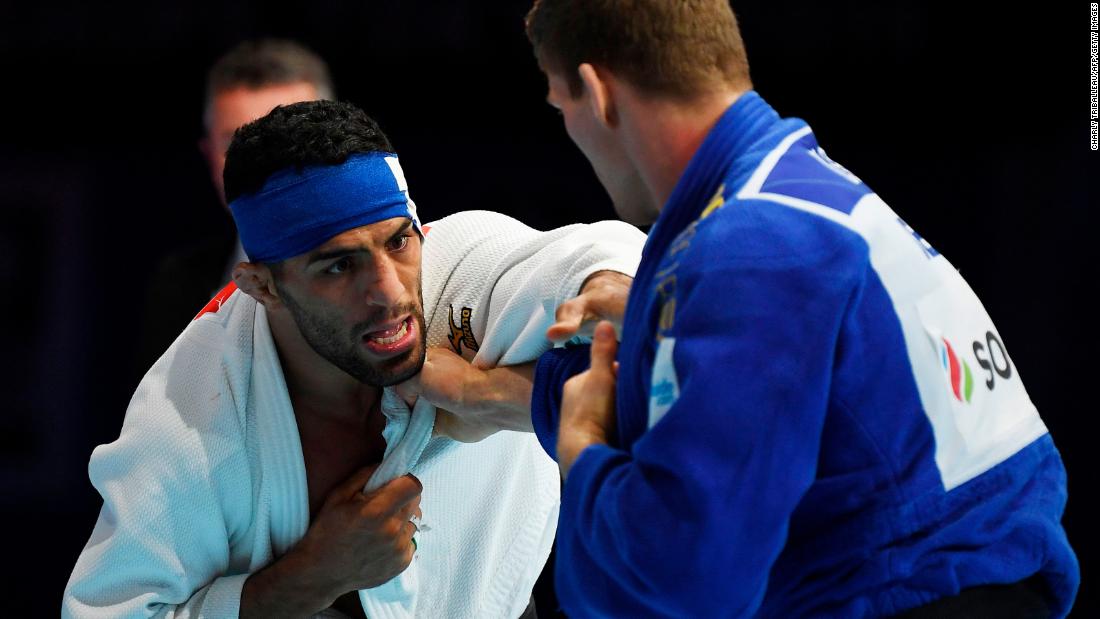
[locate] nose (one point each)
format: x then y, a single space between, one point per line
384 287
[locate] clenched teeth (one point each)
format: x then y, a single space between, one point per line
395 337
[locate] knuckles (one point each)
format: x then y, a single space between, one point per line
397 531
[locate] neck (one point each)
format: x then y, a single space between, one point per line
313 382
665 134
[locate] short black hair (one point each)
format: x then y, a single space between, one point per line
297 136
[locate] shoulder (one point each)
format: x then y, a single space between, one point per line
449 242
794 204
755 231
797 172
473 225
200 385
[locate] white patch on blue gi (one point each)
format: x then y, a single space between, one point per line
664 387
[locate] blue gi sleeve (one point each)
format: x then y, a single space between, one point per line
554 367
689 521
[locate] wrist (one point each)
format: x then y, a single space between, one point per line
286 588
605 277
504 394
571 443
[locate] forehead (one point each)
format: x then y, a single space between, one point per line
370 234
235 107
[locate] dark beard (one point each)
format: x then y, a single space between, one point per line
342 349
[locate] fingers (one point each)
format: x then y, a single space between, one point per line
561 332
397 495
410 510
406 539
409 390
396 503
353 485
407 543
408 531
604 347
569 317
574 317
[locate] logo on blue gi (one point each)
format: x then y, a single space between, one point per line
664 384
663 394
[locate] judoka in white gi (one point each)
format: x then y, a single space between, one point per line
246 479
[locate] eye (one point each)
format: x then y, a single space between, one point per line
340 266
398 243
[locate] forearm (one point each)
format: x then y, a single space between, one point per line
284 589
507 390
503 394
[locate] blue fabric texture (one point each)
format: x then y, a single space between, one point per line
554 367
298 210
774 457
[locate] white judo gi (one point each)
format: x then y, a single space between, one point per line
206 483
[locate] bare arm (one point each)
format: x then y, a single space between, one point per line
473 404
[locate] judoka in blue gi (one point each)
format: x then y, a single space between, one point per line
813 413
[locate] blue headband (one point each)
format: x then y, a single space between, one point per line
296 212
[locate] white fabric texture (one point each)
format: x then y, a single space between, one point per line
206 482
520 308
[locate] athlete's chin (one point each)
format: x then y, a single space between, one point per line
633 214
631 205
399 369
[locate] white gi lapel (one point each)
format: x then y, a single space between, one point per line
406 434
283 468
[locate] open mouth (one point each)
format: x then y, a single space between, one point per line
392 339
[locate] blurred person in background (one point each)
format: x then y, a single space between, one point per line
242 85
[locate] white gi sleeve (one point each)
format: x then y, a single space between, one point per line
492 284
175 490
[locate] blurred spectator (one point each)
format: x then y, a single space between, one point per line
244 84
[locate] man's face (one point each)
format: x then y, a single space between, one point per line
604 149
357 301
232 109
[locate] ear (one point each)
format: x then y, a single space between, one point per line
256 281
600 94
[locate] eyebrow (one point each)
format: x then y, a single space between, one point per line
403 229
332 254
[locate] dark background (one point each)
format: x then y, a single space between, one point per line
971 123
